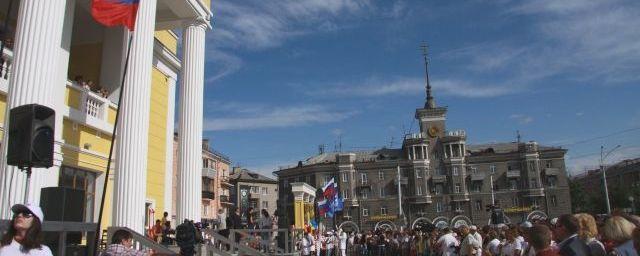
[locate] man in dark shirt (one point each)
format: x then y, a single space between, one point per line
565 233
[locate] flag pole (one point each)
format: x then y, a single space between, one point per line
113 136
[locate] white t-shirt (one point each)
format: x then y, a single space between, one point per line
509 249
448 243
343 241
14 249
492 246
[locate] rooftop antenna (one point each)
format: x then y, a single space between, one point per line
340 143
425 53
518 137
391 142
321 149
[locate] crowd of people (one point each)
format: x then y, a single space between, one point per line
91 86
567 235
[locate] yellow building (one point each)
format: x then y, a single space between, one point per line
57 55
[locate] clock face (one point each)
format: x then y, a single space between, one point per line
433 131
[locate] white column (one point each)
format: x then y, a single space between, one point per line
133 127
37 47
190 124
168 174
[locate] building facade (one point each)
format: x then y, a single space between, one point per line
215 169
441 179
623 183
56 55
253 190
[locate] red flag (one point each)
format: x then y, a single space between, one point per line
115 12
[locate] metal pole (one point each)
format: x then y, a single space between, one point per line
26 187
493 197
399 193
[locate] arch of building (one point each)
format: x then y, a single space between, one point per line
420 220
533 214
349 223
441 222
385 223
460 220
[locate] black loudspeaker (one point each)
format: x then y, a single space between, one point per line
62 204
31 131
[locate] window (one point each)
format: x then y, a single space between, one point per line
438 189
381 175
492 169
455 171
473 169
363 178
84 180
509 167
254 189
365 194
285 183
457 188
515 201
265 191
534 203
265 205
419 174
439 207
477 186
345 177
458 206
513 184
345 194
382 192
383 211
554 201
551 180
548 164
346 213
419 190
478 205
533 183
365 212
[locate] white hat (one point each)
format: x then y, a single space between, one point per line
28 207
526 224
473 227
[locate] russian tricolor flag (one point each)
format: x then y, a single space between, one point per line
115 12
330 190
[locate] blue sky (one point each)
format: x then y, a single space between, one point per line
283 77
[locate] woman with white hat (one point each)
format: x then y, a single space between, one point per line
24 236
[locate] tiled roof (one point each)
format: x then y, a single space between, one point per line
249 176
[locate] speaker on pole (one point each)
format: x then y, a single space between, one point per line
31 136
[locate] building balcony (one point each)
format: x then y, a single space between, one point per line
225 181
208 195
88 108
422 199
439 178
459 197
477 176
7 57
533 192
552 171
224 199
513 174
209 173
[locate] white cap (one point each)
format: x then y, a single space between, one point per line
28 207
526 224
473 227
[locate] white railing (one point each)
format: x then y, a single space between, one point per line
460 133
414 136
208 172
93 109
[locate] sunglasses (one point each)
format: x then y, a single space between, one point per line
24 214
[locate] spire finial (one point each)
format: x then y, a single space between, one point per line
425 53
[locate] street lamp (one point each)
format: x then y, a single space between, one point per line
604 175
633 205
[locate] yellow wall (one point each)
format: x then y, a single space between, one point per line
85 60
72 98
111 118
156 158
168 39
3 108
82 135
207 3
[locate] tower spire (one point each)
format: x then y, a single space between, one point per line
431 103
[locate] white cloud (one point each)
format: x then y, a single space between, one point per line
521 119
580 114
275 117
337 132
224 64
410 86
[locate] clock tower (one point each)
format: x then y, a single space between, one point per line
431 118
